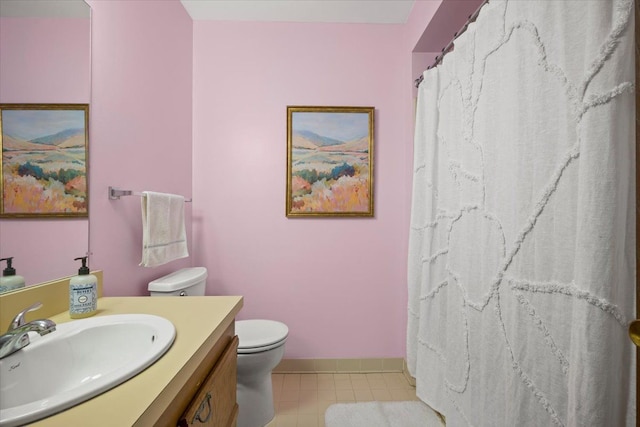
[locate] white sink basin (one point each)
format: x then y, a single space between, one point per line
78 361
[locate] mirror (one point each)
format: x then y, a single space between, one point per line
45 58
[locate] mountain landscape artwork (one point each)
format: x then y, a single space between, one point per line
329 168
44 160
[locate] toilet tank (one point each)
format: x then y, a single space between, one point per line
184 282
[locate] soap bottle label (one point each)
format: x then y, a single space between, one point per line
83 298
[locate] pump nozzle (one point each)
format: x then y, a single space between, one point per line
84 269
9 271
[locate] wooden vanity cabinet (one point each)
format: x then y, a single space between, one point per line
214 405
211 386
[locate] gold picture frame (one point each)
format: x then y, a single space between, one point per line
330 161
45 157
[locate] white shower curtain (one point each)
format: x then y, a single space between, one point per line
522 241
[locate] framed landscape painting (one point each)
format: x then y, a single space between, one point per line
44 160
329 161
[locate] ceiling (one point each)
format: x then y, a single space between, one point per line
342 11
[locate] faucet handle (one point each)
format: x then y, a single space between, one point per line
19 319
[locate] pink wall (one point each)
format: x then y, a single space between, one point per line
421 15
44 60
339 284
442 25
141 128
430 28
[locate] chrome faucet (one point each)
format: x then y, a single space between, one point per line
17 336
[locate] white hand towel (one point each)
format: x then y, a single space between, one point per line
164 237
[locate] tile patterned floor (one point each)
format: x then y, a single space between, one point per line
301 399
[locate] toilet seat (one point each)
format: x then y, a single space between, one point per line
257 335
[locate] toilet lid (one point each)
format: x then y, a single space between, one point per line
260 335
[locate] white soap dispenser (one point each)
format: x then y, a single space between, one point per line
10 280
83 292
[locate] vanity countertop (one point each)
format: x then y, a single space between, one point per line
199 322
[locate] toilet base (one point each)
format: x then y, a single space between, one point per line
257 401
255 392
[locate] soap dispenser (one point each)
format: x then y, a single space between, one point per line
83 292
10 280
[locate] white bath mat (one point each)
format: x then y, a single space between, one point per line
381 414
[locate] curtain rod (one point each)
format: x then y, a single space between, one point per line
449 47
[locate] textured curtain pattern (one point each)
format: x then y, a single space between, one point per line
522 240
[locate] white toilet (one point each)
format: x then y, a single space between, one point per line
260 348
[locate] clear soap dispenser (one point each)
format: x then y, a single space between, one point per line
10 280
83 292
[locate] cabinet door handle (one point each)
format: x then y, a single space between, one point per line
197 416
